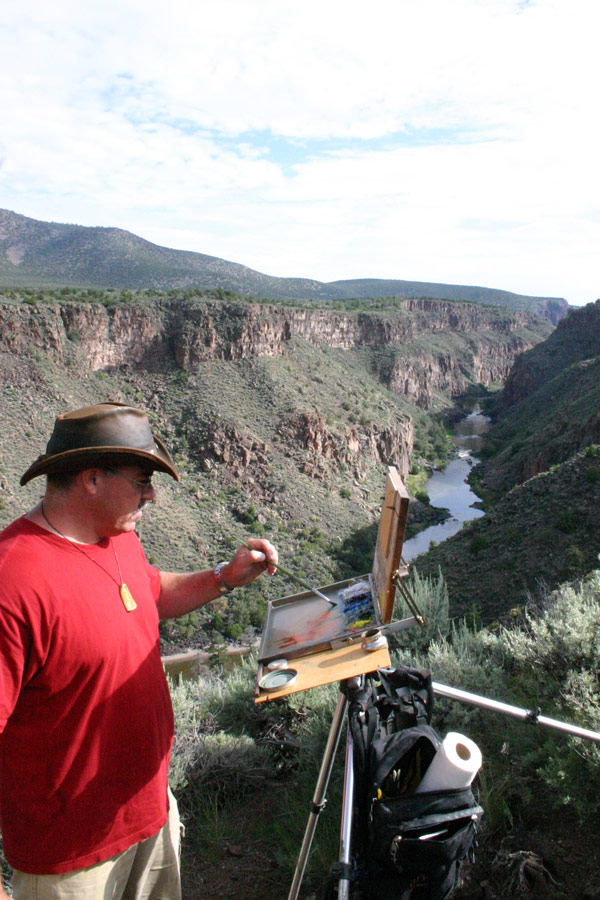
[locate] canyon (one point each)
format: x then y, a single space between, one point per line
188 333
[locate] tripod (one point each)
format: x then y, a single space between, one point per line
347 689
318 801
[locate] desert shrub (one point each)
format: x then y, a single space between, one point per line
558 655
431 598
567 521
478 543
207 760
573 562
226 748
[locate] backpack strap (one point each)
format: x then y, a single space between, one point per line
410 691
363 718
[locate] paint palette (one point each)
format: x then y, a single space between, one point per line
305 623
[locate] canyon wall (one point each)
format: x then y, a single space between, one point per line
549 408
189 333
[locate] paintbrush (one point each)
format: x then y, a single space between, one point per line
291 575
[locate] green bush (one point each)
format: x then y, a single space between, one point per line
430 596
567 521
227 748
478 543
573 563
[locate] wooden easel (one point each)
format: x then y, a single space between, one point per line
330 665
347 664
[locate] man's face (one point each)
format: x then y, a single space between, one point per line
124 493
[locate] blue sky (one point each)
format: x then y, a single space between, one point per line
417 139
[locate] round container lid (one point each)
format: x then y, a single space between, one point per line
276 664
276 681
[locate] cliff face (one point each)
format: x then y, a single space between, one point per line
549 408
108 338
192 333
355 448
576 338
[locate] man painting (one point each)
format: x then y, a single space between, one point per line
85 715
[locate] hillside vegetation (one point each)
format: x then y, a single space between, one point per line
273 432
49 254
550 406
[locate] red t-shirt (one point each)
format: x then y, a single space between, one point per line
85 710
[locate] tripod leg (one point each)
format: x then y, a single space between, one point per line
346 828
318 801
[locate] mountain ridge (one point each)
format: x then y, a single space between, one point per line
41 254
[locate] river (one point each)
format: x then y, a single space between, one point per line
449 488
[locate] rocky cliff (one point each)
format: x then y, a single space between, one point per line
191 333
282 420
549 408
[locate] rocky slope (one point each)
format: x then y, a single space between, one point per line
413 362
282 420
49 254
550 406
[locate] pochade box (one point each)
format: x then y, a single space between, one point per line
302 626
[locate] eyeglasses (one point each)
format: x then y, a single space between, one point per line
144 485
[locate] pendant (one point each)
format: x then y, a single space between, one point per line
128 601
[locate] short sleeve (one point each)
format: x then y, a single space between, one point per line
15 662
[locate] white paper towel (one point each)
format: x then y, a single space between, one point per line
455 764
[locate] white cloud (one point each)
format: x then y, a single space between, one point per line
431 140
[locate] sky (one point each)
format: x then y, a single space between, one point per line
450 141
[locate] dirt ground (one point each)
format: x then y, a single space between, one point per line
559 862
240 871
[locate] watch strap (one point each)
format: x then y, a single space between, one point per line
223 588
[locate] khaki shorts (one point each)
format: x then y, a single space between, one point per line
145 871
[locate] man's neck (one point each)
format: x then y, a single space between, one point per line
57 517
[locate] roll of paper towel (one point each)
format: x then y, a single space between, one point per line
455 764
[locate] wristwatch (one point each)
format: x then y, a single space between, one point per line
223 588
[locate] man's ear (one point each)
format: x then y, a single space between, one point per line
90 479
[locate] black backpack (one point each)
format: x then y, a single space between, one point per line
407 845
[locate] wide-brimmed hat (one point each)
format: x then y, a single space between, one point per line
103 435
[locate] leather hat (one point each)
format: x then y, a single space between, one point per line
103 435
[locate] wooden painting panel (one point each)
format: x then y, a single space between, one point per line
326 667
390 539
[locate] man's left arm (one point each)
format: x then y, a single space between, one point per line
181 593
